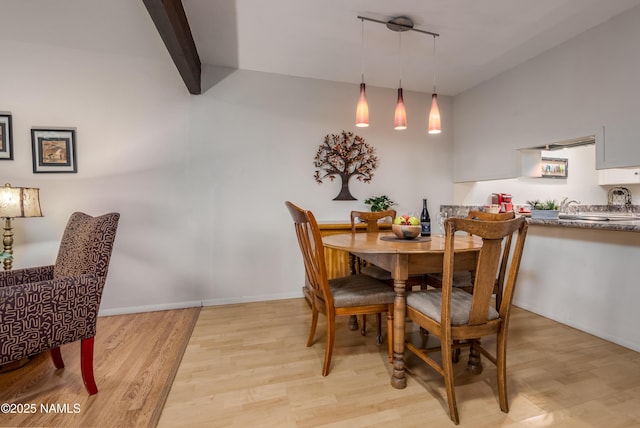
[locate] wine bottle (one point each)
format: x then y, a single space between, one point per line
425 220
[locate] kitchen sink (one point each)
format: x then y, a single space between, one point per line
599 217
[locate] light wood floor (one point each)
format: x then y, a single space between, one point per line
247 366
136 358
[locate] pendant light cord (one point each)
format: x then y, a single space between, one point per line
400 55
362 49
434 64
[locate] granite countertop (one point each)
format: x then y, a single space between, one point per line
620 225
617 225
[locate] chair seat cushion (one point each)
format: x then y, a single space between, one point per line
376 272
360 290
461 279
429 302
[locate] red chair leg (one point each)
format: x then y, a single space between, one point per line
56 356
86 365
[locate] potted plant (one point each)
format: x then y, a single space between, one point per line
379 203
549 209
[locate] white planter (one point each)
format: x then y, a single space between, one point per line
546 214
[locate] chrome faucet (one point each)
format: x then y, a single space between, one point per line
564 205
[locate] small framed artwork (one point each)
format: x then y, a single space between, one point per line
54 150
6 137
554 167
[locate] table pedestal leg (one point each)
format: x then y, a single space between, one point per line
398 379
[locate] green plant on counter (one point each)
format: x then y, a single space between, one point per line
379 203
549 204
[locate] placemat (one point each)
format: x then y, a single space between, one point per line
416 239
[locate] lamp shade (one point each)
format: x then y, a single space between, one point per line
19 202
434 116
362 109
400 119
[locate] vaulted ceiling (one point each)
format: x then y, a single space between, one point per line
322 39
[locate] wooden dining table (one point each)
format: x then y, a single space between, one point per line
403 258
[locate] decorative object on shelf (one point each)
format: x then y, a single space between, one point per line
549 209
400 24
619 196
379 203
16 202
345 155
6 137
54 150
554 167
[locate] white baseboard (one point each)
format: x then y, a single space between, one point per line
250 299
150 308
196 303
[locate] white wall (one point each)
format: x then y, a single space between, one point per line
200 180
571 91
254 137
131 114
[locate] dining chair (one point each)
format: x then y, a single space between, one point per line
460 319
45 307
349 295
464 279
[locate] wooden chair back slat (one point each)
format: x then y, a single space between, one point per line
371 219
310 241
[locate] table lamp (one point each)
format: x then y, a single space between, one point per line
16 202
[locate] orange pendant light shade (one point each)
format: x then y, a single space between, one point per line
400 120
362 109
434 116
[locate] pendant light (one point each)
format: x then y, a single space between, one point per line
400 117
434 113
399 24
362 109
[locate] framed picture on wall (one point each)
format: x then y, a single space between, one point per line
554 167
54 150
6 137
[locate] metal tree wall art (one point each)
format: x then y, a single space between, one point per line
345 155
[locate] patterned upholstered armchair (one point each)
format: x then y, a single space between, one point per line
45 307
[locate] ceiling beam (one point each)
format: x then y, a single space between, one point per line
171 22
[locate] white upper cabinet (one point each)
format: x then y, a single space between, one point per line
619 176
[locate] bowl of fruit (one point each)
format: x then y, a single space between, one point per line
406 227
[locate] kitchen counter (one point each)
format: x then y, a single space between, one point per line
616 225
584 276
582 273
619 225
